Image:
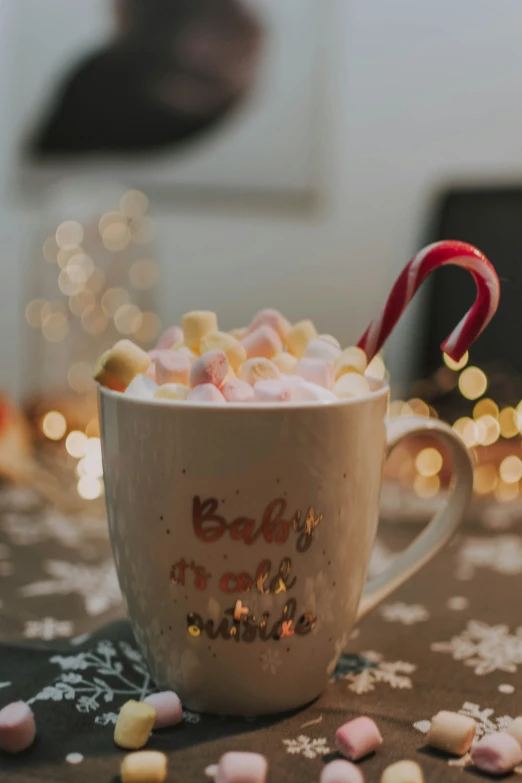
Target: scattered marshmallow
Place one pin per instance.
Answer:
(206, 392)
(272, 318)
(237, 390)
(271, 391)
(221, 341)
(286, 362)
(264, 341)
(17, 727)
(172, 391)
(258, 369)
(451, 732)
(515, 729)
(403, 772)
(351, 385)
(196, 325)
(351, 360)
(323, 348)
(172, 367)
(169, 711)
(317, 371)
(496, 753)
(212, 368)
(358, 738)
(145, 766)
(134, 725)
(340, 771)
(299, 336)
(242, 767)
(141, 388)
(171, 336)
(117, 367)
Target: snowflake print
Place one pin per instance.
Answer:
(392, 673)
(97, 585)
(485, 648)
(26, 530)
(191, 717)
(307, 747)
(407, 614)
(270, 661)
(502, 554)
(48, 628)
(4, 684)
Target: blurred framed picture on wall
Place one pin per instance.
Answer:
(179, 97)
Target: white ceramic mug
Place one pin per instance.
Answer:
(242, 537)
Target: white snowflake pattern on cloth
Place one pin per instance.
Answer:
(5, 684)
(97, 584)
(407, 614)
(486, 724)
(392, 673)
(270, 661)
(486, 648)
(47, 628)
(306, 746)
(502, 554)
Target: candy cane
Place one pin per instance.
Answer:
(411, 278)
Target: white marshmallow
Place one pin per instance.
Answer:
(206, 392)
(172, 391)
(317, 371)
(141, 388)
(258, 369)
(351, 385)
(264, 341)
(271, 391)
(236, 390)
(311, 392)
(320, 348)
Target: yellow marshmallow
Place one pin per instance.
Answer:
(258, 369)
(172, 391)
(221, 341)
(286, 363)
(351, 360)
(196, 325)
(145, 766)
(121, 364)
(451, 732)
(403, 772)
(134, 725)
(351, 385)
(299, 336)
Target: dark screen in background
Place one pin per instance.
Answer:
(491, 219)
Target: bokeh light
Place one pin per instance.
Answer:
(428, 462)
(511, 469)
(426, 486)
(143, 274)
(54, 425)
(509, 422)
(33, 313)
(485, 479)
(75, 444)
(128, 319)
(134, 203)
(89, 487)
(485, 407)
(472, 383)
(68, 233)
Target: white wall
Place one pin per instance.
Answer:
(417, 95)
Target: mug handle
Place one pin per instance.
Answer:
(443, 525)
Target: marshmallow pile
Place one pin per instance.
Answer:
(271, 361)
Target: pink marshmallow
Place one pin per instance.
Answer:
(237, 390)
(172, 367)
(272, 318)
(271, 391)
(17, 727)
(264, 342)
(317, 371)
(242, 767)
(496, 753)
(206, 392)
(170, 337)
(357, 738)
(340, 771)
(212, 367)
(168, 708)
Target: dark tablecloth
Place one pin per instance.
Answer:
(450, 639)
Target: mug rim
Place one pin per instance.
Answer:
(380, 389)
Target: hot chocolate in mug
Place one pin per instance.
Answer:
(242, 536)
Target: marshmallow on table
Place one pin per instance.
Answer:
(236, 767)
(212, 367)
(258, 369)
(340, 771)
(317, 371)
(515, 729)
(172, 391)
(351, 360)
(172, 367)
(134, 725)
(170, 337)
(286, 363)
(272, 318)
(299, 336)
(17, 727)
(271, 391)
(403, 772)
(322, 348)
(264, 341)
(236, 390)
(142, 387)
(117, 367)
(145, 766)
(358, 738)
(451, 732)
(308, 392)
(221, 341)
(206, 392)
(196, 325)
(168, 708)
(351, 385)
(496, 753)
